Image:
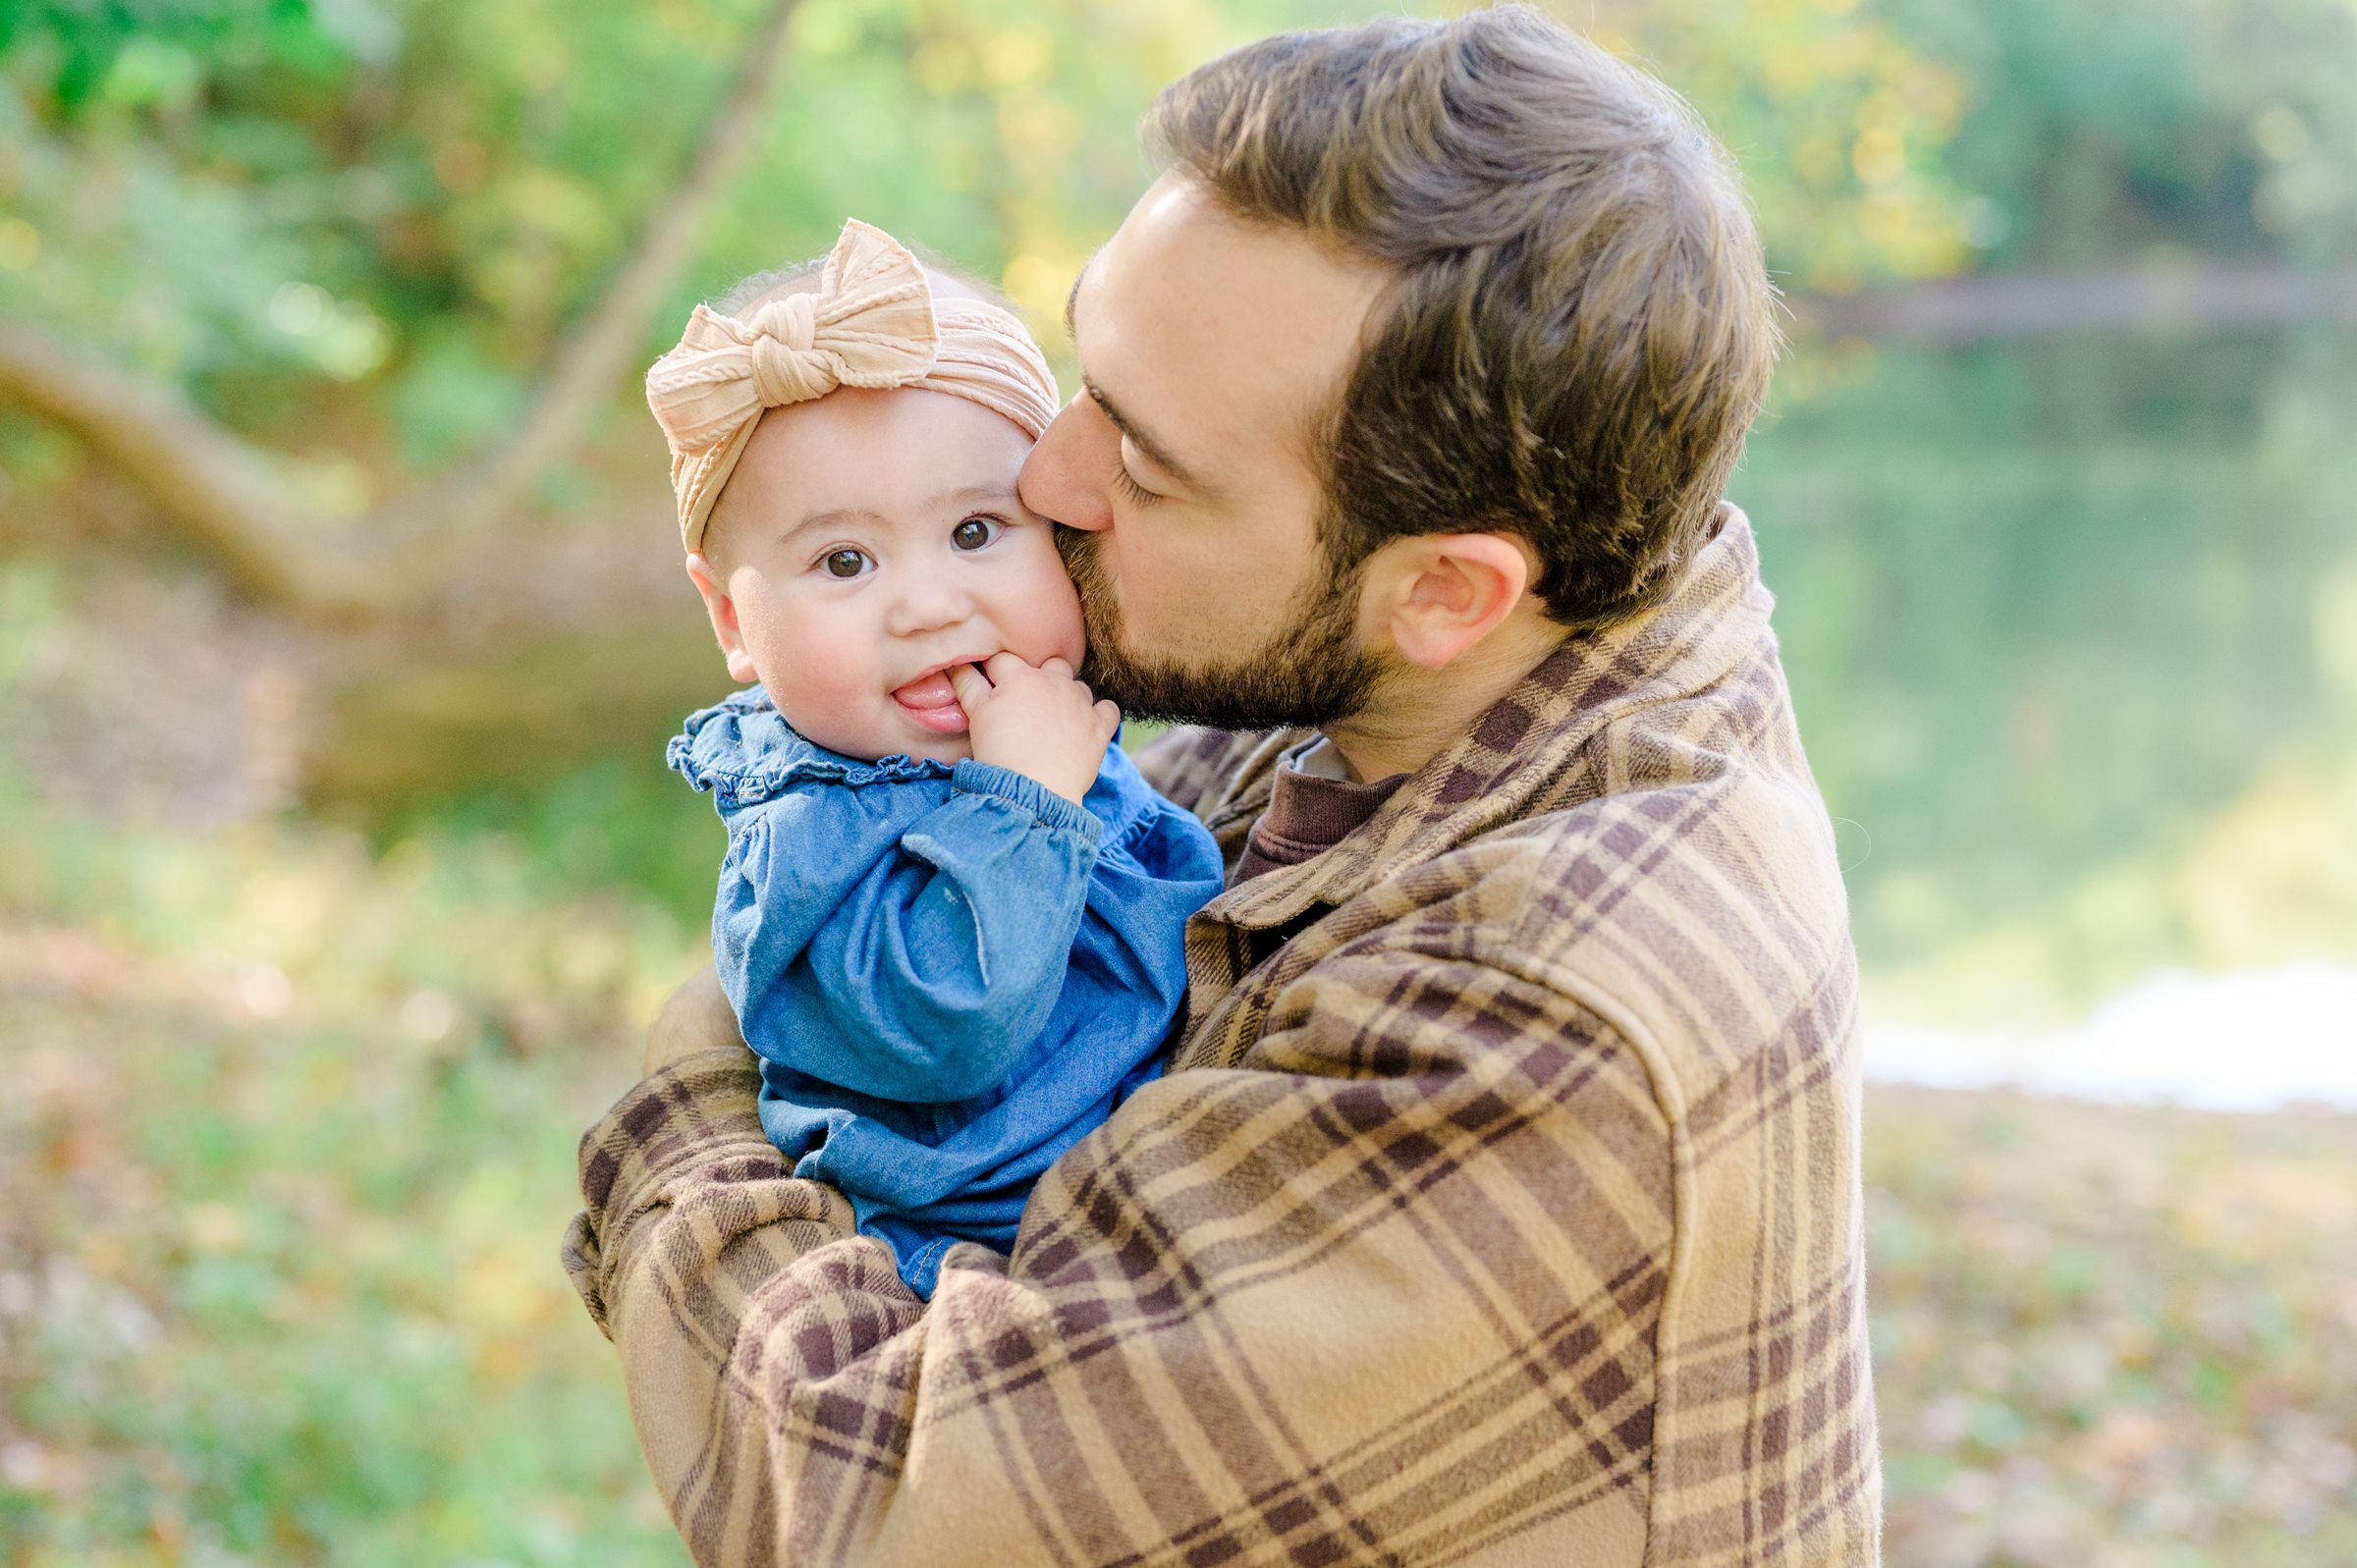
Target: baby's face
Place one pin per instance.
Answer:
(866, 543)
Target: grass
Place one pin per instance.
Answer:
(287, 1154)
(287, 1149)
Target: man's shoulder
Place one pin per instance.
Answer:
(1698, 909)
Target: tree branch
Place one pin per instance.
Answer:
(605, 342)
(2034, 304)
(211, 489)
(218, 492)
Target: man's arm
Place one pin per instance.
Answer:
(695, 1017)
(1388, 1293)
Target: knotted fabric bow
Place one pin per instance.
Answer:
(872, 322)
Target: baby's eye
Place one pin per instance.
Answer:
(973, 533)
(845, 563)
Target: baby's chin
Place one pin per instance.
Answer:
(872, 734)
(903, 741)
(935, 748)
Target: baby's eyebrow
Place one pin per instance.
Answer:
(976, 495)
(833, 518)
(973, 495)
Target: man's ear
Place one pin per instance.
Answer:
(723, 610)
(1433, 596)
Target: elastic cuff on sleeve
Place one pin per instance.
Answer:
(1003, 783)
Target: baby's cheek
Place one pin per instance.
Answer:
(814, 669)
(1030, 602)
(1057, 614)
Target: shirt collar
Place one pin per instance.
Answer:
(745, 752)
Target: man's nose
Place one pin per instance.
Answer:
(1065, 478)
(928, 601)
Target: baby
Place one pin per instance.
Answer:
(951, 913)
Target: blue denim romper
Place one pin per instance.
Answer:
(951, 973)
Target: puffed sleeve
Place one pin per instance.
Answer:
(939, 957)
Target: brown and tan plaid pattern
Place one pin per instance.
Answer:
(1501, 1206)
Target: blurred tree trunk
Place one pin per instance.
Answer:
(219, 496)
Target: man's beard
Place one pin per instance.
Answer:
(1310, 672)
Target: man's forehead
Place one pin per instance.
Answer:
(1183, 264)
(1227, 324)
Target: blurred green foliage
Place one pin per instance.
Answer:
(284, 1160)
(2111, 1338)
(2107, 128)
(374, 215)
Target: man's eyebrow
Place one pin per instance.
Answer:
(1156, 453)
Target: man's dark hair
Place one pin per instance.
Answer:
(1579, 328)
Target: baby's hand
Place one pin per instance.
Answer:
(1040, 723)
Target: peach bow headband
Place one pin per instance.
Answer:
(871, 323)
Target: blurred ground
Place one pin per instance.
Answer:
(289, 1155)
(2107, 1336)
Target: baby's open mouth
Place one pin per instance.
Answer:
(933, 702)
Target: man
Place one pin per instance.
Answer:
(1501, 1203)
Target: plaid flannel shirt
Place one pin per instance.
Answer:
(1501, 1206)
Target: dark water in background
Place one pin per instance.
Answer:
(2047, 608)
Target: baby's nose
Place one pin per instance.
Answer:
(928, 603)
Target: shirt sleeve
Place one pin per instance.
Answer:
(936, 965)
(1387, 1292)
